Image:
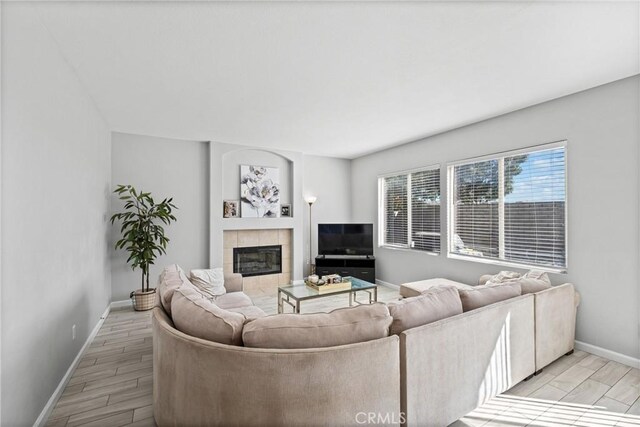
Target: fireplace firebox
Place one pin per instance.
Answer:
(257, 260)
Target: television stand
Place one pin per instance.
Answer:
(363, 267)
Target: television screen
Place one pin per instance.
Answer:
(345, 239)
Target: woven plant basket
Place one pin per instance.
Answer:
(143, 301)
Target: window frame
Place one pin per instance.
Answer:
(382, 209)
(496, 156)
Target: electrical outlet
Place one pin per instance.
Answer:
(73, 332)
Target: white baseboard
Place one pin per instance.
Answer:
(387, 284)
(608, 354)
(120, 304)
(48, 408)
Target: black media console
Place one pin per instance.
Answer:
(362, 267)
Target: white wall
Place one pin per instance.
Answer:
(601, 126)
(55, 184)
(329, 179)
(166, 168)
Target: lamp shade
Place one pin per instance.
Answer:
(311, 199)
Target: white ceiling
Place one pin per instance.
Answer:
(338, 79)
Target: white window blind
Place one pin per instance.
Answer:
(511, 208)
(396, 211)
(425, 210)
(410, 210)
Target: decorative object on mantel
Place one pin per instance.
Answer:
(285, 210)
(230, 209)
(259, 191)
(311, 200)
(142, 236)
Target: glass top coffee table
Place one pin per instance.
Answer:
(293, 295)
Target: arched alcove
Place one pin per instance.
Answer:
(232, 160)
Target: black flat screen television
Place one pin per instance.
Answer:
(345, 239)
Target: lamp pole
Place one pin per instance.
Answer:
(311, 200)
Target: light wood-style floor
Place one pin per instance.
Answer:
(112, 385)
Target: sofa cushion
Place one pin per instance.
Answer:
(199, 317)
(210, 281)
(414, 289)
(173, 268)
(434, 304)
(479, 296)
(532, 286)
(171, 278)
(339, 327)
(232, 300)
(534, 281)
(166, 289)
(250, 312)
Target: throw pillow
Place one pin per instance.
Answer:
(339, 327)
(434, 304)
(503, 276)
(210, 282)
(480, 296)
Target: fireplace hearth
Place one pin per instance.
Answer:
(257, 260)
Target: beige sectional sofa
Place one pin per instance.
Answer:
(345, 367)
(555, 312)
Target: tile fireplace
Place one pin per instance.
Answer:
(257, 260)
(257, 272)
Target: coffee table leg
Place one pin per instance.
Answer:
(375, 294)
(297, 306)
(350, 299)
(279, 302)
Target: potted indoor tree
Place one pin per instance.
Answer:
(143, 236)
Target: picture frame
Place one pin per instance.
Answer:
(259, 191)
(231, 209)
(285, 210)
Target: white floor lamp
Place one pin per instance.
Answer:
(311, 200)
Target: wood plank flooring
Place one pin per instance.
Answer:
(112, 385)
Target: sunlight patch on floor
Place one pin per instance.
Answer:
(506, 410)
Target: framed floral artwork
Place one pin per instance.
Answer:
(259, 192)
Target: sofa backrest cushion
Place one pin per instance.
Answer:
(209, 281)
(532, 286)
(534, 281)
(166, 288)
(434, 304)
(338, 327)
(197, 316)
(171, 278)
(480, 296)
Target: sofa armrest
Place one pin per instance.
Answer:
(451, 366)
(555, 314)
(233, 282)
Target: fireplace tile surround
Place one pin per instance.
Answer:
(247, 238)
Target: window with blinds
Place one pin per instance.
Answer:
(511, 208)
(410, 210)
